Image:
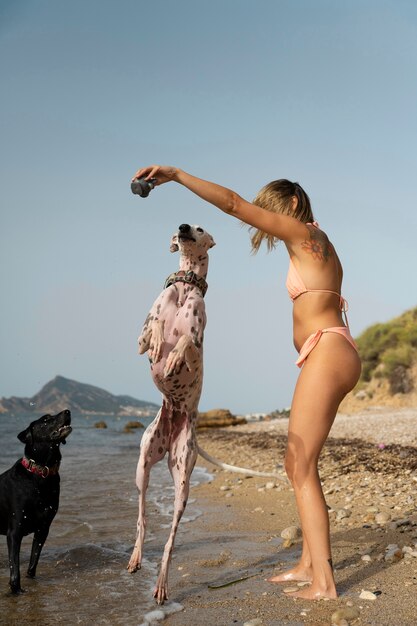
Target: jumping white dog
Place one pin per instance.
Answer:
(172, 336)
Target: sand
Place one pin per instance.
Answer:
(369, 475)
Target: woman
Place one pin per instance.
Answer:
(328, 355)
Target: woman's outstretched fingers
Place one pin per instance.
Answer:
(161, 173)
(141, 172)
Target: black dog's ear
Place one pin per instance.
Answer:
(25, 436)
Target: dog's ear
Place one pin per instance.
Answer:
(174, 244)
(25, 436)
(212, 243)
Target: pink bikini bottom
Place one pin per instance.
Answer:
(313, 340)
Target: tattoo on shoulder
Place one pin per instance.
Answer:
(318, 246)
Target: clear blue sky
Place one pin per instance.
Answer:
(240, 92)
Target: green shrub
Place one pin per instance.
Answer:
(402, 355)
(394, 344)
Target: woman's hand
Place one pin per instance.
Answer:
(161, 173)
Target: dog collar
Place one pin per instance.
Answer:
(41, 470)
(188, 277)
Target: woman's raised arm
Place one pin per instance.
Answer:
(283, 227)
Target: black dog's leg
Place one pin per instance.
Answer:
(14, 541)
(39, 539)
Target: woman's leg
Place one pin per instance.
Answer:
(302, 571)
(331, 370)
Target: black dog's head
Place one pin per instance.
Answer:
(48, 429)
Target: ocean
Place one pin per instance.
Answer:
(82, 576)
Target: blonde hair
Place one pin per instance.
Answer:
(277, 196)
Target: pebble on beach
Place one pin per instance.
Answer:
(382, 518)
(393, 553)
(291, 532)
(367, 595)
(342, 514)
(346, 615)
(290, 536)
(253, 622)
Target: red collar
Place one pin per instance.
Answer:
(41, 470)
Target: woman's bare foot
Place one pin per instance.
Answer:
(313, 593)
(296, 574)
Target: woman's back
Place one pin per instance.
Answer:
(314, 283)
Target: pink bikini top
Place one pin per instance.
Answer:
(296, 287)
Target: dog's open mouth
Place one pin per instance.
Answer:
(62, 433)
(184, 237)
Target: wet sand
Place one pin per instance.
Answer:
(369, 475)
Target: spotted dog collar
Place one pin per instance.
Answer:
(41, 470)
(188, 277)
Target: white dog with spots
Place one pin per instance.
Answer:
(173, 338)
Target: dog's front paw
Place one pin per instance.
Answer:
(144, 340)
(155, 352)
(174, 363)
(178, 356)
(155, 341)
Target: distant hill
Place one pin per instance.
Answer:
(62, 393)
(389, 364)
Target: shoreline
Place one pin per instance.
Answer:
(369, 474)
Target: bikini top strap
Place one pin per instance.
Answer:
(343, 304)
(344, 307)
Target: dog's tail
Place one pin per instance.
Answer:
(239, 470)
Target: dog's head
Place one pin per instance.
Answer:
(191, 239)
(48, 429)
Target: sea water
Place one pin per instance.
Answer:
(82, 575)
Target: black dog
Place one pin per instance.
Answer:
(29, 491)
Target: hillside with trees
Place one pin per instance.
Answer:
(389, 364)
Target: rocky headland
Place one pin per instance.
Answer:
(80, 398)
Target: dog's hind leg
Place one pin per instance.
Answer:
(153, 448)
(14, 541)
(182, 458)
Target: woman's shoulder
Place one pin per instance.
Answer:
(317, 244)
